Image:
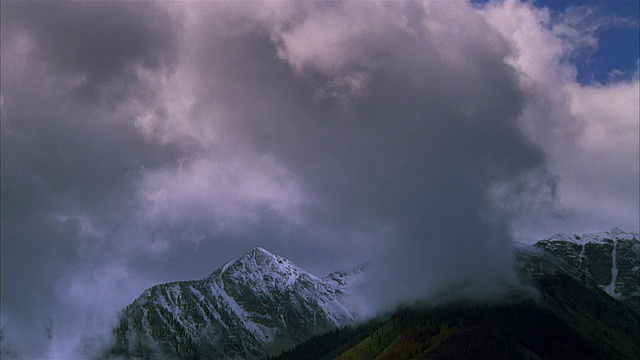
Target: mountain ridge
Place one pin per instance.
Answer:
(256, 304)
(260, 304)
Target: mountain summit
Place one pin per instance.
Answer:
(255, 305)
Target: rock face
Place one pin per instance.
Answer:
(589, 281)
(255, 305)
(607, 259)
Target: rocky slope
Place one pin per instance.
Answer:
(255, 305)
(610, 260)
(609, 323)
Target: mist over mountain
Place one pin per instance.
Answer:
(570, 315)
(261, 304)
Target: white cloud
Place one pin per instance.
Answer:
(223, 195)
(589, 132)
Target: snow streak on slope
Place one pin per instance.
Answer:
(611, 288)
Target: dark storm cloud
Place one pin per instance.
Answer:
(101, 44)
(70, 149)
(87, 49)
(395, 134)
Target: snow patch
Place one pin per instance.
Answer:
(611, 288)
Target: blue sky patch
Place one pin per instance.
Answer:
(616, 57)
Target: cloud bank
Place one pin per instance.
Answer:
(150, 142)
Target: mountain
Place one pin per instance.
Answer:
(607, 259)
(579, 312)
(610, 322)
(255, 305)
(580, 300)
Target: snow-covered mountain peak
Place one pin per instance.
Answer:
(617, 231)
(251, 255)
(260, 267)
(259, 252)
(253, 305)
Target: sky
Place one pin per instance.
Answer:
(143, 143)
